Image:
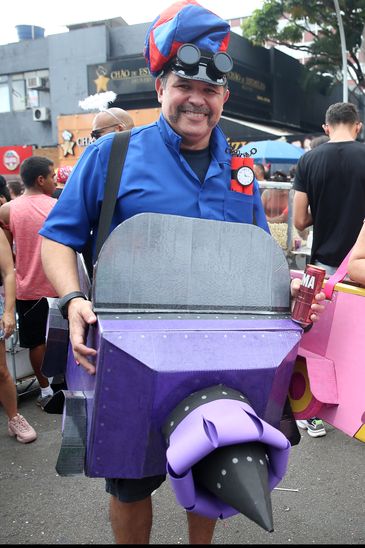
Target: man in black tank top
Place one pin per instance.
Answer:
(330, 188)
(330, 195)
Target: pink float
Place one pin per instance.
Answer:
(329, 376)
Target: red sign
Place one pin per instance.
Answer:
(12, 157)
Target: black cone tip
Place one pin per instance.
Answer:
(238, 476)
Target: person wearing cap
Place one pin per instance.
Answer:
(62, 174)
(109, 121)
(179, 165)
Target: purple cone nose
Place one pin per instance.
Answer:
(248, 440)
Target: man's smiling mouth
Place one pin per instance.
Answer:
(194, 113)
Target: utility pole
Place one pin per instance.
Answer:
(343, 51)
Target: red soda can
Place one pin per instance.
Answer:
(312, 281)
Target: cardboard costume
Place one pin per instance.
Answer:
(195, 343)
(185, 305)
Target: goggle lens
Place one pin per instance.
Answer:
(189, 56)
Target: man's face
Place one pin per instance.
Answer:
(192, 108)
(49, 183)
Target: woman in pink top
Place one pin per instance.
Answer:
(17, 425)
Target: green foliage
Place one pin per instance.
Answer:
(283, 22)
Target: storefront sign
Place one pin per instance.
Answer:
(68, 143)
(124, 76)
(12, 157)
(129, 77)
(250, 93)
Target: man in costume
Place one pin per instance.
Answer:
(179, 165)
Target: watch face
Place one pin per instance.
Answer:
(245, 175)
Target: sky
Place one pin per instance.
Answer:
(54, 16)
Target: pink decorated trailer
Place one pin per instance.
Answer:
(329, 375)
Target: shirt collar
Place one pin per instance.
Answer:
(218, 143)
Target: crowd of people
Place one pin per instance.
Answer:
(188, 174)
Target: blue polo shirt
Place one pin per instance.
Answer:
(156, 178)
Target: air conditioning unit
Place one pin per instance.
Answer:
(41, 114)
(36, 82)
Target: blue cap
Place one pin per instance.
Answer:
(188, 23)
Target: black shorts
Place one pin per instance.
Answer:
(32, 321)
(133, 490)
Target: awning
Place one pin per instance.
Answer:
(240, 132)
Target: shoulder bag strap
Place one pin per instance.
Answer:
(115, 166)
(337, 277)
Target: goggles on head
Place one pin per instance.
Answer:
(191, 63)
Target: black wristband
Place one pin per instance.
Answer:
(308, 327)
(63, 302)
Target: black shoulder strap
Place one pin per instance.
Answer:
(115, 166)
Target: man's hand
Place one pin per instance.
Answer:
(316, 307)
(8, 324)
(80, 316)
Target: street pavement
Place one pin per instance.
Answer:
(321, 499)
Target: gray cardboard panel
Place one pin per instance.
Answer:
(155, 261)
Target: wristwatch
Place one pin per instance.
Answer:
(63, 302)
(245, 175)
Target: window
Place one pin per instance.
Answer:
(4, 97)
(18, 94)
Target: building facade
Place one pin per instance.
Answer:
(43, 80)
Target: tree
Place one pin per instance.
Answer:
(318, 19)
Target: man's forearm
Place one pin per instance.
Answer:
(302, 216)
(9, 291)
(60, 265)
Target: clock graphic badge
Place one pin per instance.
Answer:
(245, 175)
(242, 175)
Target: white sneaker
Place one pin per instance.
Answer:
(314, 427)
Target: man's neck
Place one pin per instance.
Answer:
(342, 133)
(32, 191)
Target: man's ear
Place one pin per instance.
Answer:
(226, 96)
(325, 129)
(40, 181)
(159, 89)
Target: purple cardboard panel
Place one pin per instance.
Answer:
(142, 374)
